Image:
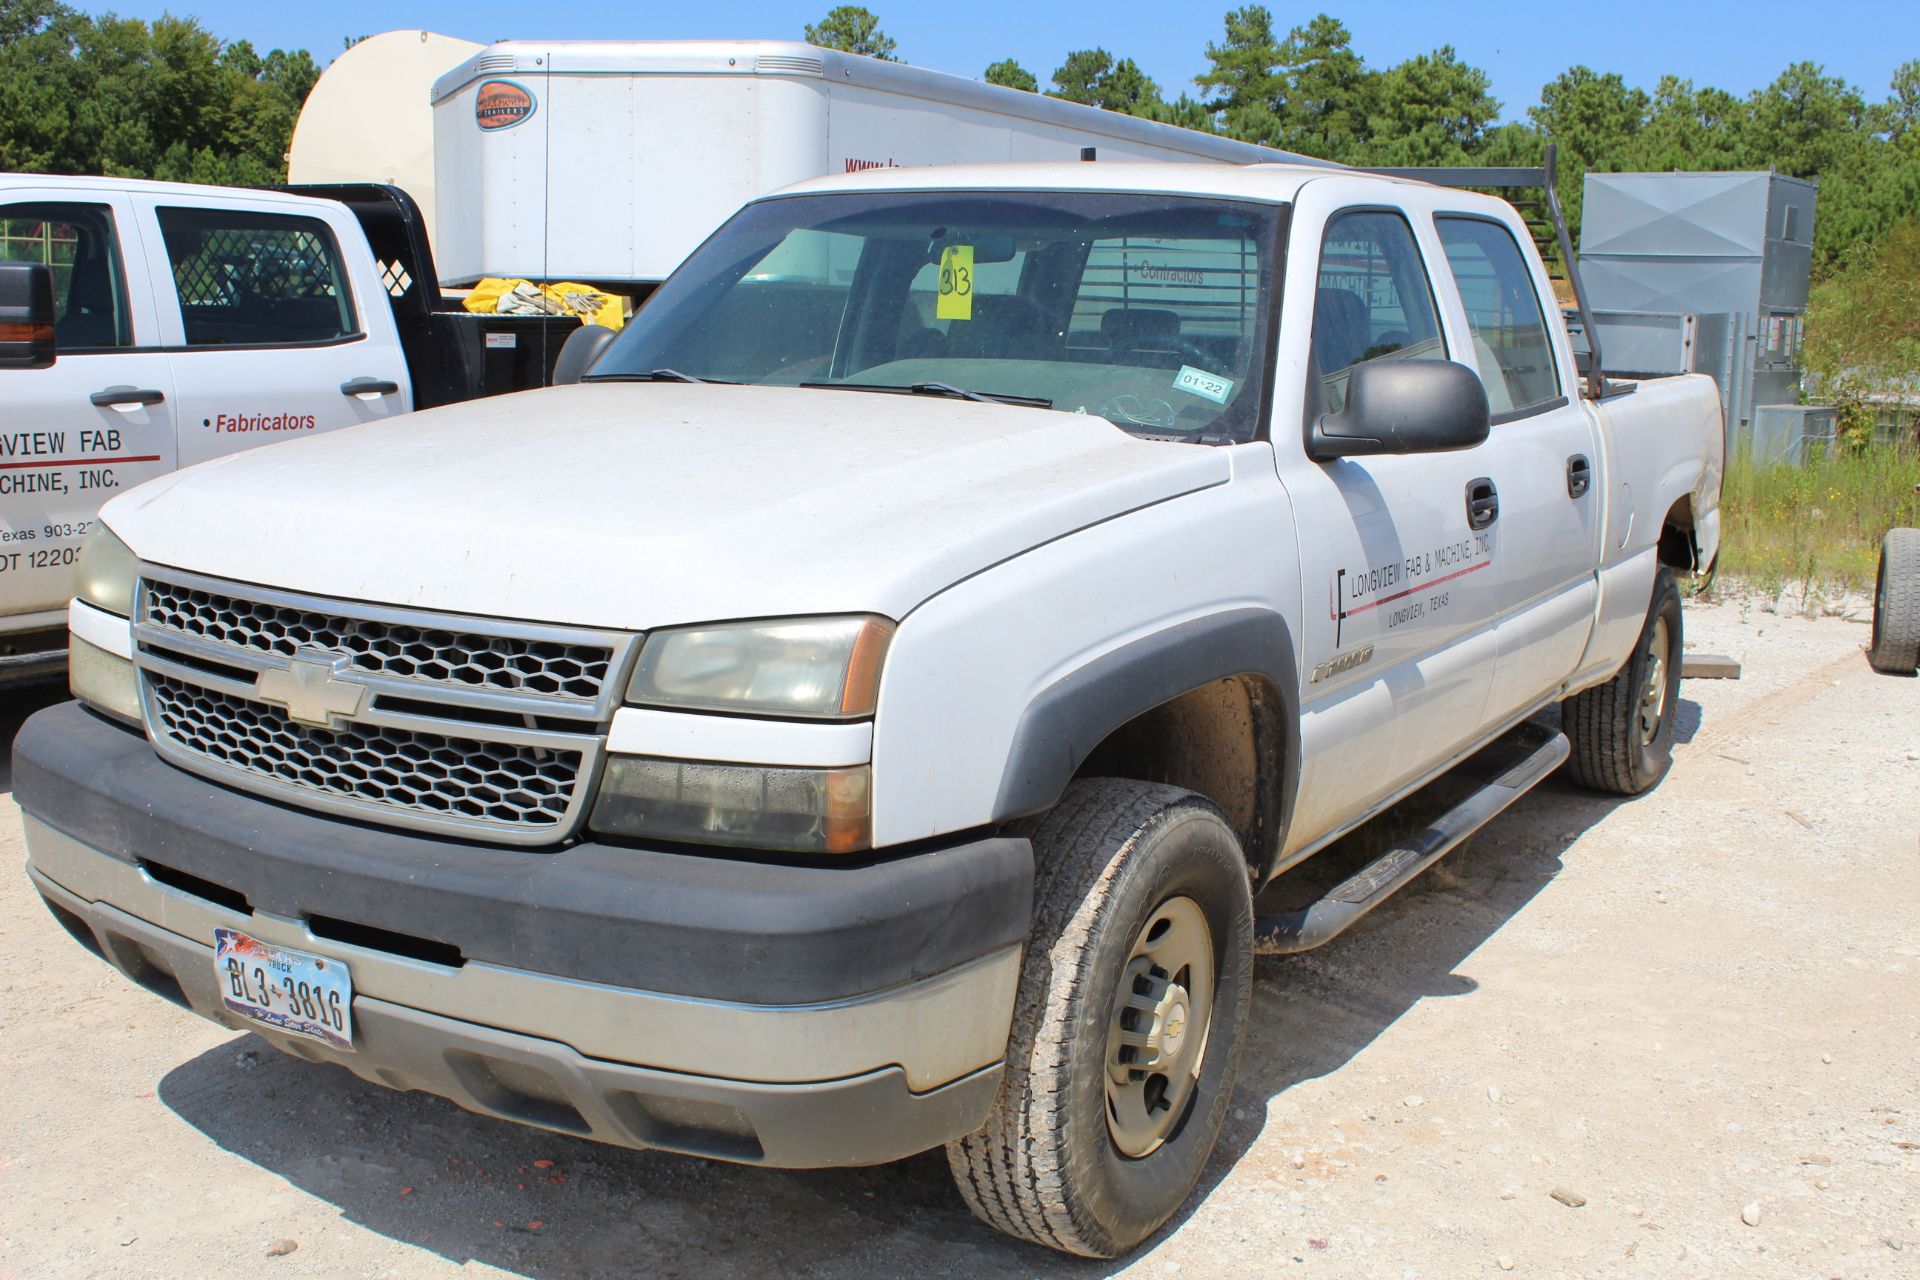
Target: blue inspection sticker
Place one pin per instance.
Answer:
(1199, 382)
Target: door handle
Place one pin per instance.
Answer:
(1579, 475)
(369, 387)
(124, 398)
(1483, 503)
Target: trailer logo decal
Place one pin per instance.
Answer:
(501, 104)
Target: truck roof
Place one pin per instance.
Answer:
(1265, 182)
(148, 186)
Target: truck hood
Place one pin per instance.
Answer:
(641, 505)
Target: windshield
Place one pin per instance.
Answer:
(1149, 310)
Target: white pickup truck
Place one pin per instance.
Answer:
(146, 326)
(858, 716)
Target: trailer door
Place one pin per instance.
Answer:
(100, 419)
(270, 337)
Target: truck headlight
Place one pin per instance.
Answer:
(741, 806)
(107, 572)
(103, 680)
(811, 668)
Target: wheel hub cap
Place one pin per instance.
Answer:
(1157, 1035)
(1653, 698)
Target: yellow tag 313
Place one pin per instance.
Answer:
(956, 283)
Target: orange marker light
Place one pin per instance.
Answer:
(862, 691)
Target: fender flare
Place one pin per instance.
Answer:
(1070, 717)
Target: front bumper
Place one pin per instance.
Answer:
(897, 1050)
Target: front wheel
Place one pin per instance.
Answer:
(1621, 732)
(1133, 1004)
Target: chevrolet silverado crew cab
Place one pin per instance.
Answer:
(146, 326)
(857, 715)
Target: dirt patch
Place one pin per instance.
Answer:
(1694, 1012)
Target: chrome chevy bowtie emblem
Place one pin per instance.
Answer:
(312, 691)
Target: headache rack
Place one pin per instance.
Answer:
(1539, 205)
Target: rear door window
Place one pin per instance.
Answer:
(256, 279)
(1374, 300)
(89, 285)
(1510, 343)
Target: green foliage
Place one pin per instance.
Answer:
(1093, 77)
(1307, 92)
(127, 98)
(1011, 75)
(1816, 526)
(1863, 330)
(1310, 92)
(1430, 110)
(852, 29)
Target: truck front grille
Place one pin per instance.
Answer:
(513, 664)
(396, 716)
(420, 773)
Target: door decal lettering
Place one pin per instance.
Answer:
(1356, 591)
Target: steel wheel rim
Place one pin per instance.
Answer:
(1653, 699)
(1157, 1029)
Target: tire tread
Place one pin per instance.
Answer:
(1014, 1173)
(1602, 724)
(1896, 605)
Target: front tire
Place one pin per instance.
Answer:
(1133, 1003)
(1621, 732)
(1896, 605)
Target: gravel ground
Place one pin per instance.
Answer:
(1672, 1037)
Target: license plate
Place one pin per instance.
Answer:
(288, 990)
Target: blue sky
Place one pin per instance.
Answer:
(1734, 46)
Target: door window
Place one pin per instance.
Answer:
(256, 279)
(89, 288)
(1373, 302)
(1503, 314)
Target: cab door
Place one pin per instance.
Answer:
(100, 419)
(1397, 643)
(269, 340)
(1543, 462)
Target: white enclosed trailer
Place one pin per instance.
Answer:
(609, 161)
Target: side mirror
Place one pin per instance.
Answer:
(1404, 406)
(577, 354)
(26, 315)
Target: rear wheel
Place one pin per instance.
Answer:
(1896, 605)
(1621, 732)
(1133, 1003)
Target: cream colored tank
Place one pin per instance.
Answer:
(370, 118)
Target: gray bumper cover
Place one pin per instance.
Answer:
(864, 1119)
(842, 1078)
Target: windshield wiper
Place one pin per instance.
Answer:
(657, 375)
(944, 390)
